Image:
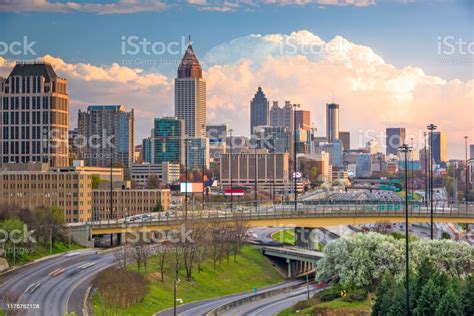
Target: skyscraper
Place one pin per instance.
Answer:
(259, 110)
(395, 137)
(302, 119)
(332, 122)
(345, 138)
(168, 139)
(190, 95)
(282, 117)
(34, 116)
(107, 131)
(439, 146)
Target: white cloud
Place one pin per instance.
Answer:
(372, 93)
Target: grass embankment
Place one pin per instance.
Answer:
(285, 236)
(25, 254)
(326, 303)
(252, 270)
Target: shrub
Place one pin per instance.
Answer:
(119, 287)
(355, 296)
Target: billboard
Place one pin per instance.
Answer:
(234, 192)
(191, 187)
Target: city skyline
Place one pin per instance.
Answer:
(405, 93)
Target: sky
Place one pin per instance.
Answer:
(387, 63)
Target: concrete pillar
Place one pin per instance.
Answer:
(289, 268)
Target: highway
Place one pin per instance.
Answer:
(273, 304)
(60, 293)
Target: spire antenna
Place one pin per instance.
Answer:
(189, 39)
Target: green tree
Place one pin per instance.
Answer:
(153, 182)
(384, 295)
(158, 207)
(450, 304)
(424, 272)
(426, 303)
(398, 304)
(468, 295)
(95, 182)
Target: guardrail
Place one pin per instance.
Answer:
(304, 209)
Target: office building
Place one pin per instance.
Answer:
(190, 95)
(335, 152)
(364, 166)
(102, 172)
(471, 151)
(166, 173)
(217, 134)
(147, 149)
(259, 110)
(272, 175)
(372, 146)
(128, 202)
(332, 122)
(345, 138)
(303, 119)
(439, 146)
(168, 140)
(34, 117)
(395, 137)
(31, 185)
(274, 138)
(106, 133)
(282, 117)
(198, 153)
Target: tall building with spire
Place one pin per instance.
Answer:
(259, 110)
(190, 95)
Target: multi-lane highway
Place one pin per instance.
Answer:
(56, 285)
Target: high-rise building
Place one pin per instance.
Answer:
(108, 134)
(274, 138)
(34, 116)
(303, 119)
(168, 140)
(147, 149)
(471, 151)
(198, 152)
(332, 122)
(335, 152)
(190, 95)
(395, 137)
(345, 138)
(217, 134)
(282, 117)
(372, 146)
(259, 110)
(439, 146)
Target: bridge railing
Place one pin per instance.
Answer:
(285, 210)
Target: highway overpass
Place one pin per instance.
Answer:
(307, 214)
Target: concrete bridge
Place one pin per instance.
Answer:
(300, 261)
(307, 214)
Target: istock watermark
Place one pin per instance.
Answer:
(134, 45)
(24, 47)
(451, 45)
(17, 235)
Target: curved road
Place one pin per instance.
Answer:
(58, 294)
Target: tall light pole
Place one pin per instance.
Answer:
(431, 128)
(466, 171)
(406, 150)
(412, 170)
(231, 170)
(111, 191)
(426, 169)
(256, 179)
(294, 156)
(185, 183)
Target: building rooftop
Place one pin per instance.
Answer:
(39, 69)
(189, 66)
(114, 107)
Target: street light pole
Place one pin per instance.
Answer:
(466, 172)
(426, 169)
(185, 183)
(406, 149)
(294, 157)
(431, 128)
(231, 171)
(256, 179)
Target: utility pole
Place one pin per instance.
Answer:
(431, 128)
(231, 171)
(406, 149)
(467, 174)
(294, 157)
